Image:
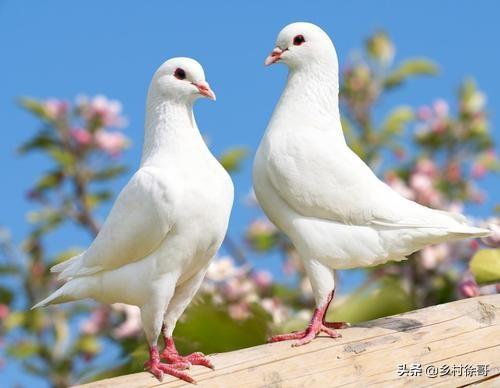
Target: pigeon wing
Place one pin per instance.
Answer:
(318, 178)
(139, 221)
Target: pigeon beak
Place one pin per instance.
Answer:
(274, 57)
(204, 89)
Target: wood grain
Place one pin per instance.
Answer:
(465, 332)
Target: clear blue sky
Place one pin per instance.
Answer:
(63, 48)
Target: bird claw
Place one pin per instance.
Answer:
(307, 335)
(158, 369)
(197, 358)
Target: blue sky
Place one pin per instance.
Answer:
(63, 48)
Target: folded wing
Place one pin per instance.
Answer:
(139, 221)
(320, 179)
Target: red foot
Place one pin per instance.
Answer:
(157, 368)
(171, 356)
(316, 326)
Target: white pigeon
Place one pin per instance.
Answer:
(166, 225)
(333, 208)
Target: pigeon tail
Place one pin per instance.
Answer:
(79, 288)
(470, 231)
(65, 264)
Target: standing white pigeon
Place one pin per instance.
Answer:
(165, 226)
(333, 208)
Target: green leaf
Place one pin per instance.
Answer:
(5, 295)
(33, 106)
(95, 199)
(14, 319)
(49, 180)
(231, 159)
(41, 141)
(108, 173)
(23, 349)
(485, 266)
(88, 344)
(397, 120)
(8, 269)
(64, 158)
(380, 47)
(386, 297)
(410, 68)
(207, 327)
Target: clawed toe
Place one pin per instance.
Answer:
(158, 369)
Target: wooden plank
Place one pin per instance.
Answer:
(465, 332)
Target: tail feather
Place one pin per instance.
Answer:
(470, 231)
(74, 289)
(54, 298)
(65, 264)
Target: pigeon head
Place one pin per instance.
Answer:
(301, 44)
(181, 79)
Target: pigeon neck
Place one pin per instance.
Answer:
(170, 129)
(311, 98)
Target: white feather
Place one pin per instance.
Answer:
(318, 191)
(169, 220)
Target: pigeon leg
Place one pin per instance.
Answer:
(183, 295)
(157, 368)
(172, 356)
(316, 326)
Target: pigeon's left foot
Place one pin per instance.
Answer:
(172, 356)
(316, 326)
(158, 369)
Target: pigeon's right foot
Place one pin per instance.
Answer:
(316, 326)
(158, 369)
(172, 356)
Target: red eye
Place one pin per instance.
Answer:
(298, 40)
(179, 73)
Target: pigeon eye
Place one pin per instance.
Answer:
(179, 73)
(298, 40)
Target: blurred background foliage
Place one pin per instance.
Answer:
(435, 154)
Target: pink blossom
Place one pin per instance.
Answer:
(441, 108)
(478, 170)
(95, 322)
(274, 307)
(221, 269)
(261, 226)
(434, 254)
(81, 136)
(132, 323)
(263, 279)
(111, 142)
(426, 166)
(107, 111)
(239, 311)
(438, 126)
(453, 172)
(468, 288)
(424, 113)
(235, 288)
(54, 108)
(4, 311)
(494, 239)
(421, 183)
